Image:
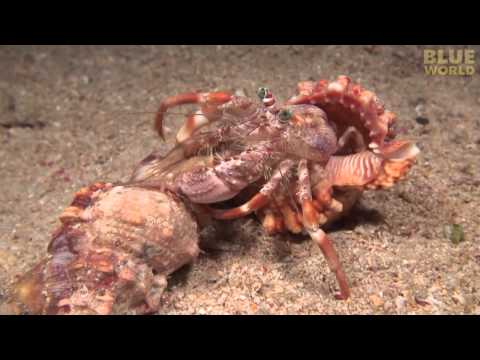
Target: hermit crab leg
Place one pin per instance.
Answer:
(260, 199)
(311, 217)
(273, 222)
(311, 222)
(325, 244)
(209, 103)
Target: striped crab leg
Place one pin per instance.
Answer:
(209, 103)
(259, 200)
(311, 224)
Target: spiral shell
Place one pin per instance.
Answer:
(112, 254)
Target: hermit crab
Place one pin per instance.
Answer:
(309, 158)
(306, 162)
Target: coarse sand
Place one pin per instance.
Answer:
(72, 115)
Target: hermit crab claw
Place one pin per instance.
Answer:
(373, 170)
(399, 151)
(397, 159)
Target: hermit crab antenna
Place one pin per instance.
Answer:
(266, 96)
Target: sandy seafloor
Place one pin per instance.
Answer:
(71, 115)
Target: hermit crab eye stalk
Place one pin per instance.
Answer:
(262, 92)
(285, 115)
(266, 97)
